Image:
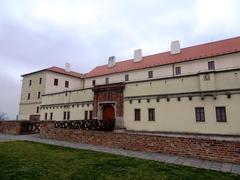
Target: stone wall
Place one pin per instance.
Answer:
(199, 147)
(10, 127)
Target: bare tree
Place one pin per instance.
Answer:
(3, 116)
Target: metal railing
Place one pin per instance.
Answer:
(91, 124)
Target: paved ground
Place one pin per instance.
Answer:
(193, 162)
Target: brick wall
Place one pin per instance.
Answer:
(204, 148)
(10, 127)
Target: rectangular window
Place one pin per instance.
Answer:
(29, 95)
(68, 115)
(200, 114)
(30, 82)
(39, 95)
(178, 70)
(40, 80)
(221, 114)
(126, 77)
(90, 114)
(211, 65)
(137, 114)
(51, 116)
(86, 115)
(106, 80)
(150, 74)
(37, 111)
(64, 115)
(151, 114)
(93, 82)
(55, 82)
(45, 116)
(66, 84)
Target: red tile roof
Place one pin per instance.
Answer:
(212, 49)
(58, 70)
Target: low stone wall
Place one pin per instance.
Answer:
(189, 146)
(10, 127)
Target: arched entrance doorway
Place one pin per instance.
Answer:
(108, 112)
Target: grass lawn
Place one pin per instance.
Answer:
(27, 160)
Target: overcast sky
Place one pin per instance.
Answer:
(43, 33)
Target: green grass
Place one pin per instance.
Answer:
(27, 160)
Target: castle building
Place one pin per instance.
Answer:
(185, 90)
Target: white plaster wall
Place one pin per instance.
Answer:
(74, 83)
(179, 116)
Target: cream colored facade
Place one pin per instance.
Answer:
(174, 98)
(33, 88)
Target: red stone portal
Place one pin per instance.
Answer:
(108, 113)
(108, 102)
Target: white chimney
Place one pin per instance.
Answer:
(175, 47)
(111, 61)
(137, 55)
(67, 67)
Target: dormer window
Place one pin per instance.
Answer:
(211, 65)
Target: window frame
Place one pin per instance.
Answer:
(85, 115)
(64, 115)
(178, 70)
(66, 84)
(126, 77)
(37, 110)
(29, 96)
(39, 95)
(51, 116)
(211, 65)
(150, 74)
(221, 114)
(137, 114)
(46, 115)
(106, 80)
(151, 114)
(90, 114)
(55, 82)
(200, 114)
(68, 115)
